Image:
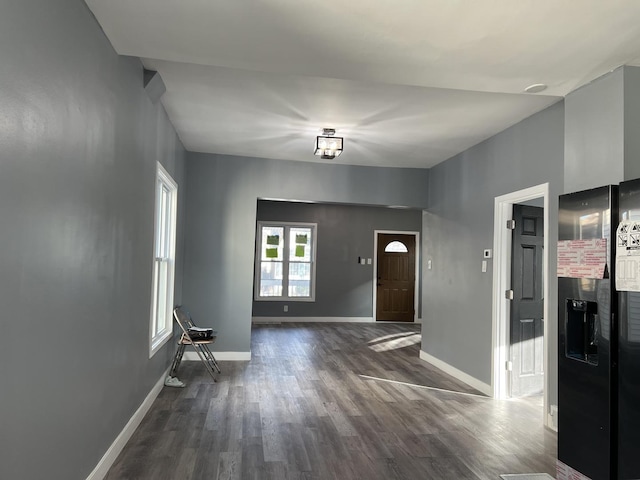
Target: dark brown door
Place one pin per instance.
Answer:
(527, 306)
(396, 276)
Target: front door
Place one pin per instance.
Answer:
(396, 276)
(527, 306)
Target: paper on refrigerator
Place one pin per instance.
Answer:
(582, 258)
(628, 256)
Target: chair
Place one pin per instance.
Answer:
(183, 319)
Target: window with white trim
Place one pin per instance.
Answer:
(285, 261)
(161, 326)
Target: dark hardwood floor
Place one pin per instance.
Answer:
(333, 401)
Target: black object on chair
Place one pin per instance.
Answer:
(199, 338)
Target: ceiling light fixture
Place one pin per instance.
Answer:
(536, 88)
(328, 146)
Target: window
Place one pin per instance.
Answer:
(285, 261)
(397, 247)
(164, 249)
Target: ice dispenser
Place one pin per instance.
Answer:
(582, 331)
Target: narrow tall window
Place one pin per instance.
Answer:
(163, 260)
(285, 261)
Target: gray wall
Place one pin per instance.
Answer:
(344, 288)
(594, 134)
(631, 123)
(79, 139)
(602, 122)
(222, 193)
(457, 318)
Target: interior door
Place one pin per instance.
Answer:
(396, 276)
(527, 306)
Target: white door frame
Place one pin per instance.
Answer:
(502, 282)
(375, 270)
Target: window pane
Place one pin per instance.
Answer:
(159, 218)
(165, 231)
(163, 216)
(396, 247)
(299, 279)
(163, 283)
(270, 279)
(156, 298)
(272, 244)
(300, 244)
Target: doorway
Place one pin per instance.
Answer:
(526, 338)
(395, 276)
(502, 365)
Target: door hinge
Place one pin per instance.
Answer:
(508, 365)
(511, 224)
(508, 294)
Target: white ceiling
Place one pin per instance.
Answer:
(407, 83)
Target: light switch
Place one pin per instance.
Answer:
(429, 264)
(368, 261)
(363, 261)
(484, 266)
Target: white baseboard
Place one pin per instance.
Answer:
(312, 319)
(221, 356)
(268, 320)
(121, 440)
(458, 374)
(552, 418)
(550, 424)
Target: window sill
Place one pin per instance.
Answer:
(159, 341)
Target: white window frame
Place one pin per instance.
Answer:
(285, 262)
(164, 251)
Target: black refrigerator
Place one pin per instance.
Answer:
(599, 335)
